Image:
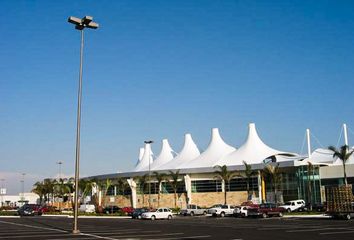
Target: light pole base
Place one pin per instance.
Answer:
(76, 231)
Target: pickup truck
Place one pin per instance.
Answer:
(265, 210)
(193, 210)
(221, 210)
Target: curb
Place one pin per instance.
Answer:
(9, 216)
(306, 216)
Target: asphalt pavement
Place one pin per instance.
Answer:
(57, 228)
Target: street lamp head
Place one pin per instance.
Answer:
(148, 142)
(82, 23)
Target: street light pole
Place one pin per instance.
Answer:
(149, 142)
(80, 24)
(2, 191)
(23, 186)
(59, 163)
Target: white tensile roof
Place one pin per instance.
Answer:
(215, 151)
(141, 153)
(146, 158)
(189, 152)
(253, 151)
(165, 156)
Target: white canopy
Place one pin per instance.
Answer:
(188, 152)
(215, 151)
(146, 158)
(253, 151)
(165, 156)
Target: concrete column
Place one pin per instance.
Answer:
(223, 186)
(132, 185)
(188, 184)
(115, 190)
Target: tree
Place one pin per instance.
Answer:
(85, 187)
(248, 174)
(121, 184)
(343, 154)
(309, 183)
(48, 185)
(159, 178)
(223, 174)
(274, 174)
(175, 183)
(143, 180)
(38, 188)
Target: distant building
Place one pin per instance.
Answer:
(19, 200)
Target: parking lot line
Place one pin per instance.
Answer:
(318, 229)
(148, 235)
(97, 236)
(37, 236)
(343, 232)
(30, 226)
(189, 237)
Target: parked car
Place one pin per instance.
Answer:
(193, 209)
(127, 210)
(30, 210)
(139, 211)
(320, 207)
(241, 211)
(47, 208)
(265, 210)
(87, 208)
(293, 205)
(221, 210)
(160, 213)
(111, 209)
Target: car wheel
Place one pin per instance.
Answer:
(243, 215)
(348, 217)
(280, 214)
(153, 217)
(288, 210)
(192, 214)
(264, 215)
(169, 217)
(222, 214)
(139, 217)
(204, 213)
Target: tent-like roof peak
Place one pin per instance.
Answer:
(216, 149)
(188, 152)
(146, 158)
(164, 157)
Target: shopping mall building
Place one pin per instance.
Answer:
(198, 184)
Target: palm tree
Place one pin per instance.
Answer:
(309, 182)
(121, 184)
(143, 180)
(175, 183)
(274, 174)
(38, 188)
(343, 154)
(248, 174)
(48, 185)
(85, 187)
(159, 178)
(223, 174)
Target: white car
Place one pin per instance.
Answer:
(294, 205)
(241, 211)
(160, 213)
(221, 210)
(87, 208)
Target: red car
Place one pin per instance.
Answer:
(127, 210)
(266, 210)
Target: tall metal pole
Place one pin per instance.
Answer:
(345, 134)
(2, 191)
(308, 143)
(23, 186)
(77, 160)
(59, 163)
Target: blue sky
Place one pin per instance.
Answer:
(159, 69)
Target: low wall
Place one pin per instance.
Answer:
(168, 200)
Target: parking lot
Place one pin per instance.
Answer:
(179, 228)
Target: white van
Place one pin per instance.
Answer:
(87, 208)
(293, 205)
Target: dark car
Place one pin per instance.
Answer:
(266, 210)
(30, 210)
(138, 211)
(111, 209)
